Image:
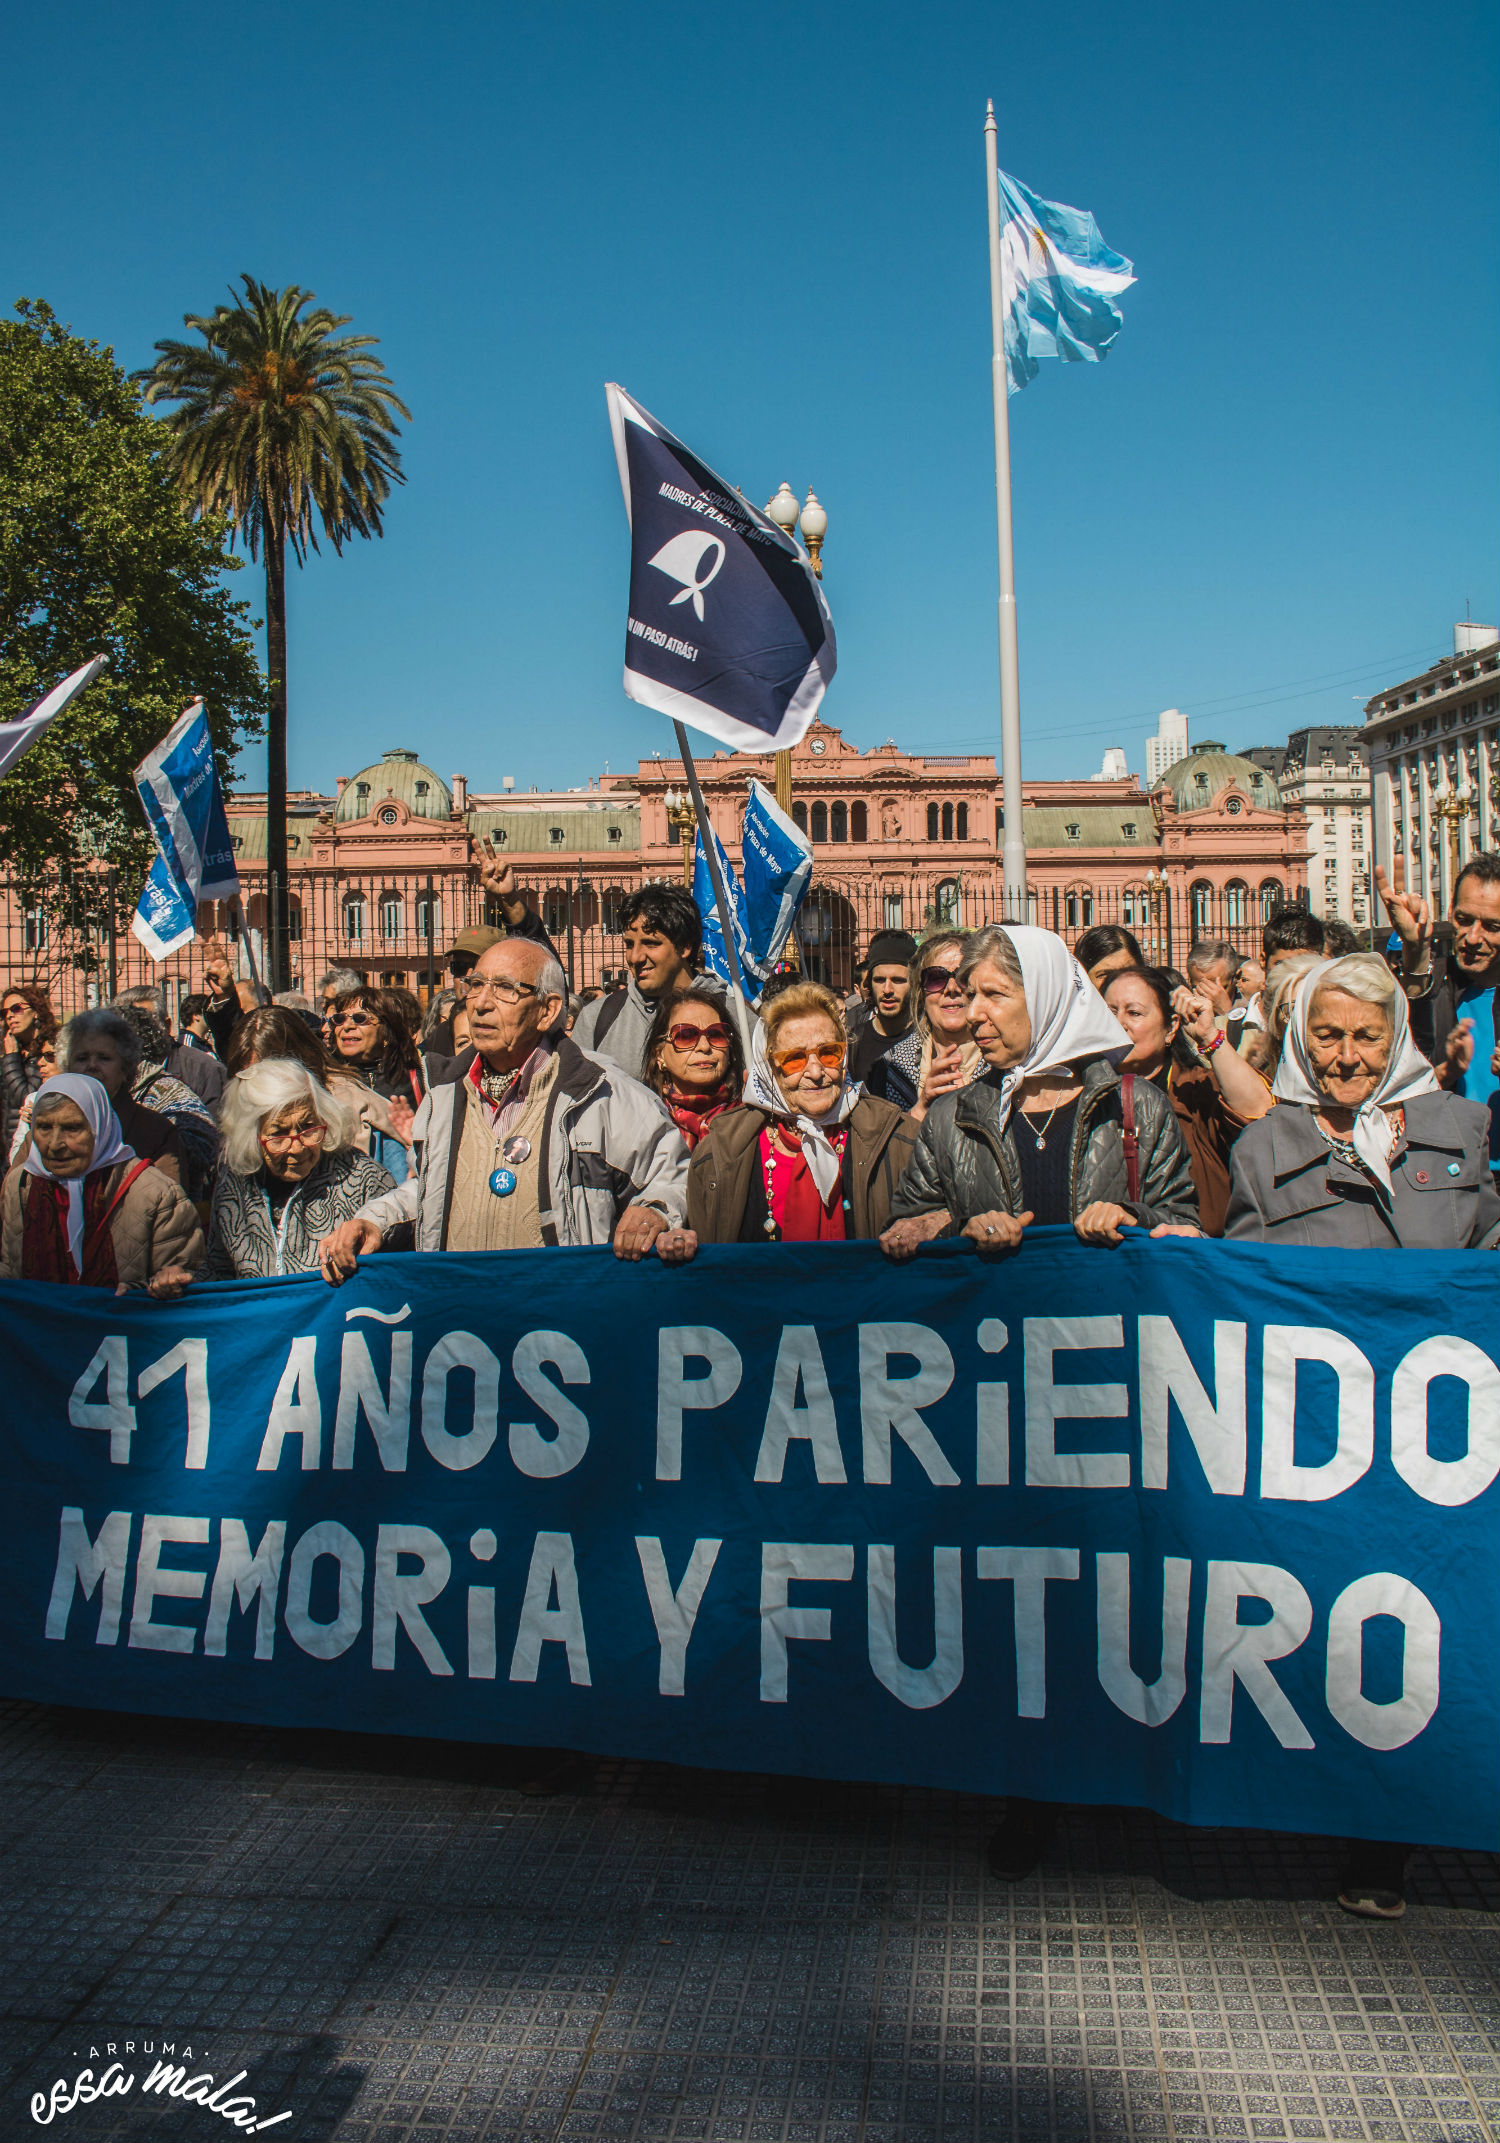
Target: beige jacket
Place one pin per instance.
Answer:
(152, 1227)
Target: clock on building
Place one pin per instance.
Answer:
(817, 745)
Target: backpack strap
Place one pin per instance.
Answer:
(614, 1005)
(1132, 1143)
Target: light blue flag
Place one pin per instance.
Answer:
(178, 785)
(1060, 281)
(778, 865)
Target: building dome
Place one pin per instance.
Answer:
(1201, 778)
(401, 776)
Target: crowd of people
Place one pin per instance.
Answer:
(976, 1084)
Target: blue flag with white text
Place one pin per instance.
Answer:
(777, 865)
(178, 784)
(728, 629)
(1060, 282)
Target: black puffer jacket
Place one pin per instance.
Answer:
(965, 1165)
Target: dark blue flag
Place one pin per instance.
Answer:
(728, 628)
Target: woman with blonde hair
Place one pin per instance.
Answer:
(809, 1157)
(290, 1172)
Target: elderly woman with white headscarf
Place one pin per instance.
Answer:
(82, 1208)
(1051, 1134)
(808, 1157)
(1364, 1150)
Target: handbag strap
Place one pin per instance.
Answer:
(1132, 1143)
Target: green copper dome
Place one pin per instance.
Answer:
(401, 778)
(1204, 775)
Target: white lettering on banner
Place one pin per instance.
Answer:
(1390, 1725)
(1235, 1651)
(544, 1458)
(1149, 1703)
(296, 1410)
(890, 1404)
(919, 1688)
(152, 1583)
(387, 1411)
(191, 1357)
(89, 1563)
(1047, 1403)
(799, 1362)
(240, 1576)
(1217, 1429)
(676, 1346)
(675, 1613)
(401, 1596)
(1449, 1482)
(781, 1562)
(115, 1415)
(481, 1633)
(1280, 1476)
(460, 1350)
(326, 1640)
(992, 1414)
(552, 1569)
(1028, 1570)
(657, 638)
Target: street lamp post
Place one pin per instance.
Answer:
(682, 820)
(1455, 807)
(785, 512)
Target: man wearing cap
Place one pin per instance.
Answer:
(885, 1014)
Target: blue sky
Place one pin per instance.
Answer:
(768, 223)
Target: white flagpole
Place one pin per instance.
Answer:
(1014, 850)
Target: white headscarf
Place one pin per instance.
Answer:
(762, 1092)
(1069, 1019)
(90, 1097)
(1407, 1072)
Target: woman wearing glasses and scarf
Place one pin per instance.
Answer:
(374, 1051)
(694, 1060)
(810, 1157)
(938, 1056)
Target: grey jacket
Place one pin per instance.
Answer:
(624, 1039)
(607, 1143)
(1286, 1186)
(964, 1164)
(244, 1242)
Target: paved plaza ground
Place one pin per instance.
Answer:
(395, 1943)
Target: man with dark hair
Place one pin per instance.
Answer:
(884, 1013)
(663, 938)
(194, 1032)
(1452, 993)
(1289, 930)
(197, 1069)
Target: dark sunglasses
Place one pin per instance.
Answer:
(936, 979)
(686, 1037)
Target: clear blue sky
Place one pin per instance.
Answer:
(768, 223)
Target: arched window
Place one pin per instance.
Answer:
(820, 822)
(838, 823)
(293, 920)
(961, 829)
(891, 912)
(1270, 897)
(34, 930)
(859, 823)
(945, 899)
(555, 910)
(1202, 894)
(612, 909)
(932, 822)
(430, 917)
(1236, 899)
(354, 918)
(392, 915)
(947, 822)
(799, 817)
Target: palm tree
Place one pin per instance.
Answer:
(281, 424)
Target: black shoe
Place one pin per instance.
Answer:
(1373, 1884)
(1021, 1839)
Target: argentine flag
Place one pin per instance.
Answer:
(1060, 283)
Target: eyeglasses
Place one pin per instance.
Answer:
(20, 1005)
(795, 1061)
(935, 980)
(298, 1135)
(686, 1037)
(501, 989)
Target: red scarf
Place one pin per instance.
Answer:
(44, 1234)
(693, 1113)
(791, 1194)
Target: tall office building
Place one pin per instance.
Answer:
(1168, 745)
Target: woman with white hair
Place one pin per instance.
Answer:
(1364, 1150)
(290, 1173)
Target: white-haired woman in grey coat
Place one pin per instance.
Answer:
(289, 1173)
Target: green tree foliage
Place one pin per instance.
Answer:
(98, 557)
(282, 425)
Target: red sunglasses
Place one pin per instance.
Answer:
(686, 1037)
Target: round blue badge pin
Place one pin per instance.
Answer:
(1453, 1168)
(503, 1182)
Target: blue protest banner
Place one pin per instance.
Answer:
(1204, 1527)
(178, 784)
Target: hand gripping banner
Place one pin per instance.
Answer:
(1203, 1527)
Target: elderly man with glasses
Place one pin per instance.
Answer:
(531, 1144)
